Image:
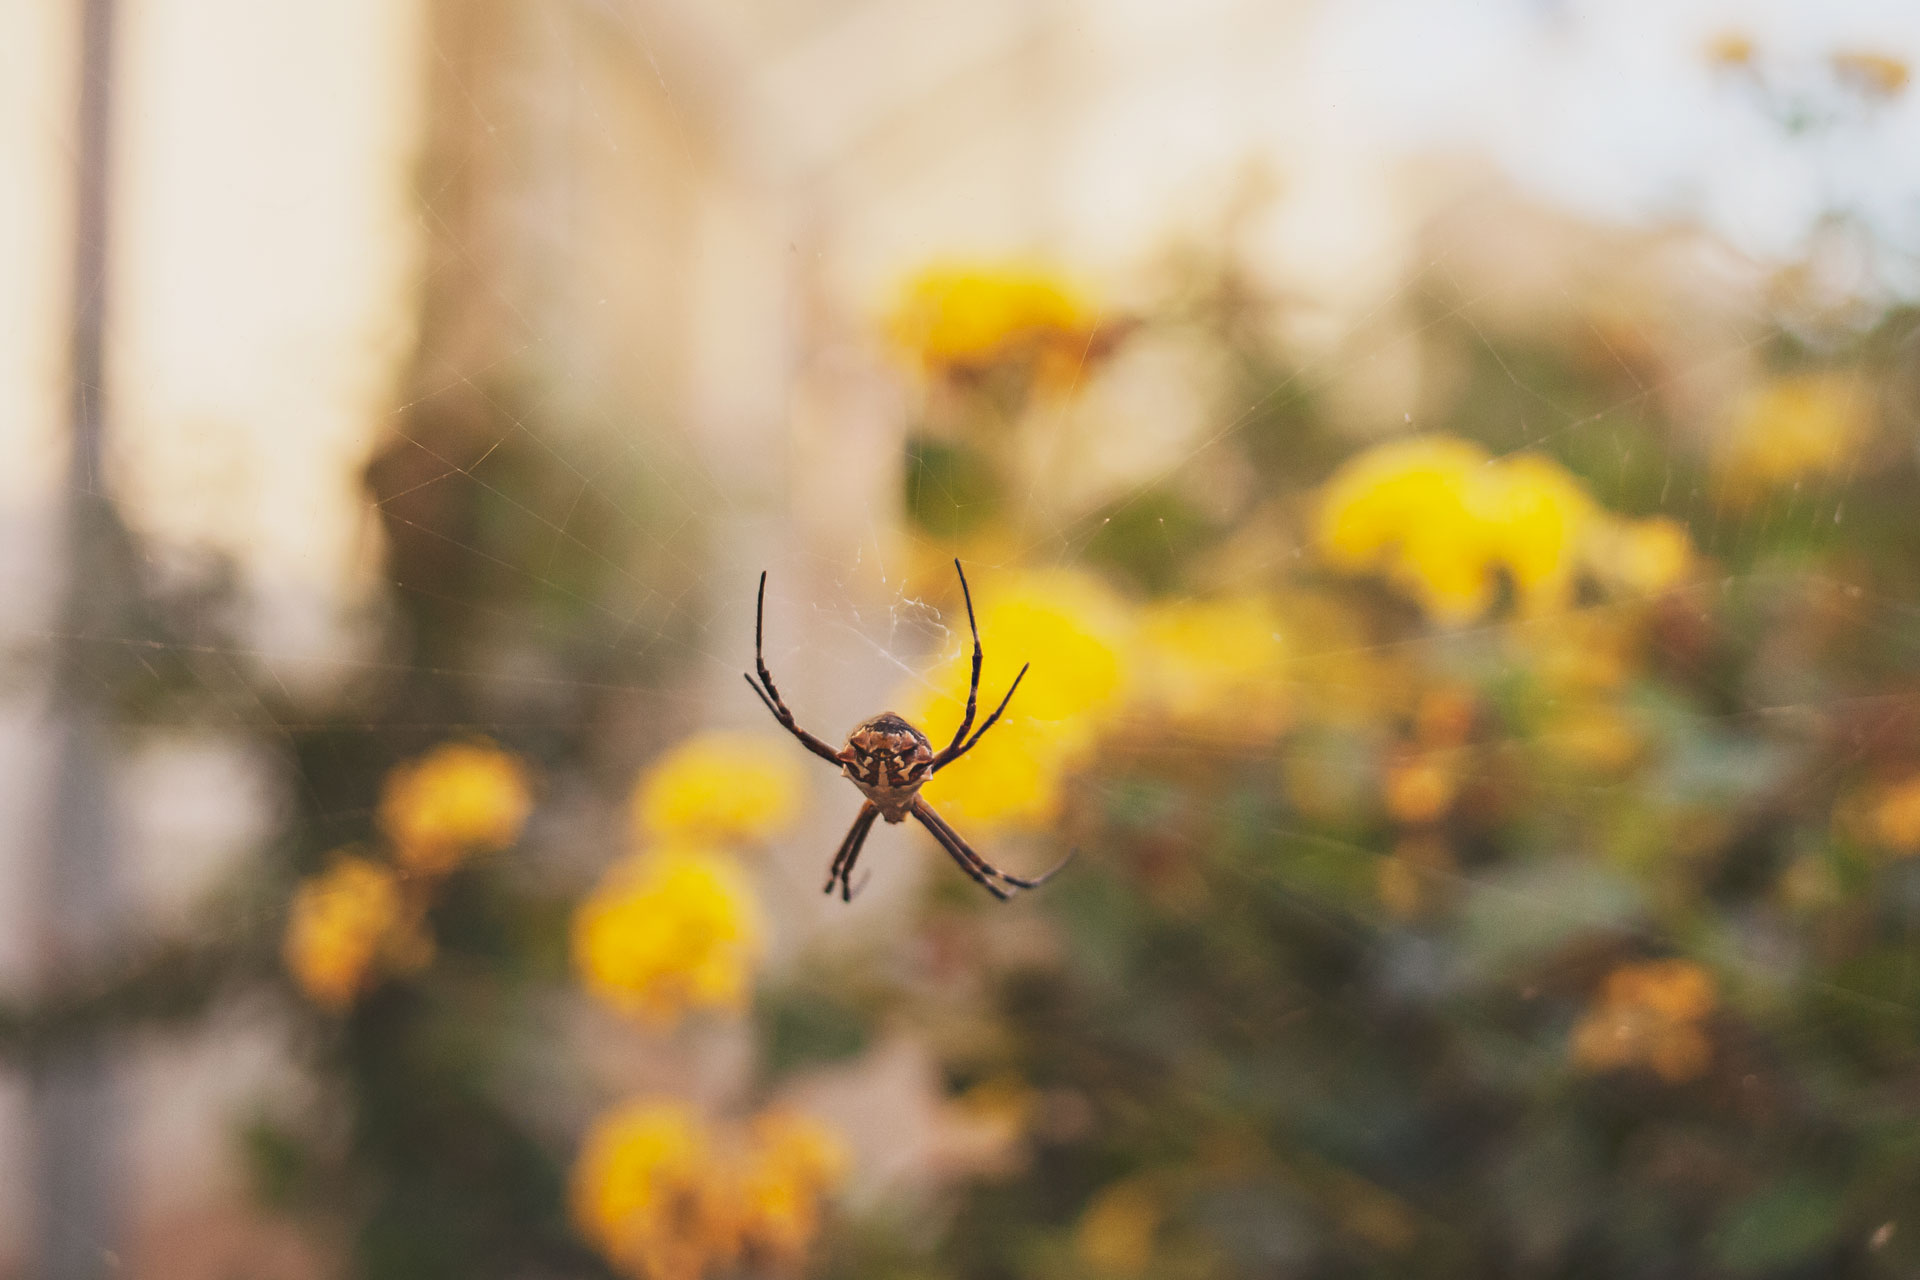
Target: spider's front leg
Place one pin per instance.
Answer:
(962, 744)
(770, 695)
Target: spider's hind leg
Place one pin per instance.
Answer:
(1029, 882)
(964, 852)
(958, 849)
(850, 850)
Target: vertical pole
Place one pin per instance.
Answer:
(72, 1094)
(90, 241)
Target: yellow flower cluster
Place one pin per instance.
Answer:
(674, 927)
(719, 787)
(1584, 660)
(960, 317)
(1445, 522)
(1731, 49)
(668, 931)
(345, 925)
(663, 1197)
(1649, 1015)
(1214, 667)
(362, 918)
(1795, 426)
(1077, 635)
(792, 1162)
(1420, 788)
(1422, 783)
(1872, 73)
(1895, 817)
(1115, 1236)
(1216, 663)
(459, 799)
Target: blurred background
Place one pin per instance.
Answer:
(1450, 467)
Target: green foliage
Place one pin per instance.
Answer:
(1149, 538)
(1325, 1056)
(950, 486)
(807, 1026)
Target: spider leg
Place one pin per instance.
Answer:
(770, 695)
(934, 822)
(850, 847)
(948, 756)
(957, 849)
(847, 891)
(1033, 882)
(973, 685)
(854, 891)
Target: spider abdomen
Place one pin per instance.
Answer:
(888, 759)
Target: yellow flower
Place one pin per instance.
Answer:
(1444, 522)
(667, 932)
(793, 1162)
(1581, 653)
(1444, 717)
(1642, 557)
(1648, 1015)
(1539, 521)
(1875, 75)
(458, 799)
(1799, 425)
(1076, 635)
(960, 317)
(645, 1193)
(1412, 509)
(1217, 663)
(1420, 789)
(1896, 817)
(663, 1198)
(344, 925)
(1338, 674)
(1000, 1108)
(1593, 735)
(1731, 49)
(1116, 1233)
(720, 787)
(1016, 777)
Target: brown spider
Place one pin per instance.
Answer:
(889, 760)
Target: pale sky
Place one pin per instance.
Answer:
(1614, 109)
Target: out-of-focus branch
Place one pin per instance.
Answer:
(169, 983)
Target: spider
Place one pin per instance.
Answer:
(889, 760)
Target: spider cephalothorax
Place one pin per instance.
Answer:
(889, 759)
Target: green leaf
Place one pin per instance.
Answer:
(951, 487)
(1785, 1224)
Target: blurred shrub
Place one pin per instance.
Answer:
(361, 918)
(1499, 850)
(665, 1198)
(1499, 853)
